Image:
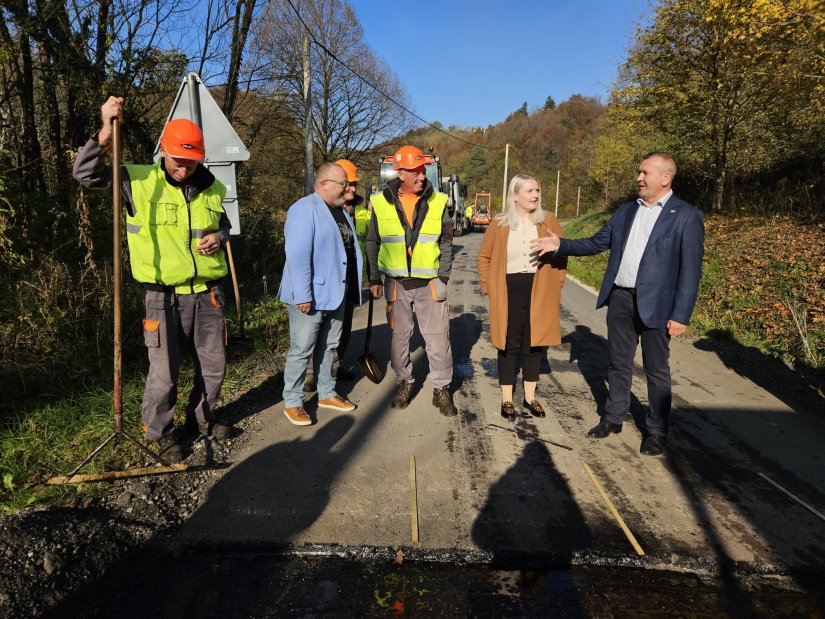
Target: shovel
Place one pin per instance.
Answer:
(367, 361)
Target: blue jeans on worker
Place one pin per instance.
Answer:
(315, 333)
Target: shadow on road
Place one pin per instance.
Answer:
(784, 383)
(278, 492)
(464, 333)
(530, 513)
(589, 351)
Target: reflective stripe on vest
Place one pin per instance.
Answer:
(426, 254)
(163, 234)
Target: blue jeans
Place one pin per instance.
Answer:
(318, 331)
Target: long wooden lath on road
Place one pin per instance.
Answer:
(117, 399)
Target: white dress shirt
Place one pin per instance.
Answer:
(646, 216)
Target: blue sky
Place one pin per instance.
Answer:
(473, 63)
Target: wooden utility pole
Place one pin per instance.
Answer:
(310, 166)
(558, 179)
(578, 199)
(504, 189)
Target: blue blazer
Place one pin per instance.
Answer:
(668, 279)
(316, 261)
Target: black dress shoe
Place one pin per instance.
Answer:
(535, 408)
(508, 411)
(653, 446)
(604, 429)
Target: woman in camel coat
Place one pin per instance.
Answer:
(524, 290)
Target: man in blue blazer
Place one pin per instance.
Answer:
(321, 273)
(650, 286)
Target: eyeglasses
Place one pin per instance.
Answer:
(342, 184)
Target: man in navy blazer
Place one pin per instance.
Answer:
(650, 286)
(321, 273)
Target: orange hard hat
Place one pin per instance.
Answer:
(182, 138)
(350, 169)
(408, 158)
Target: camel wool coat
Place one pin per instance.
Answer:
(545, 327)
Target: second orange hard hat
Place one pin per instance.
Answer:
(350, 169)
(183, 139)
(408, 158)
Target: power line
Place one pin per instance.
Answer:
(376, 88)
(20, 167)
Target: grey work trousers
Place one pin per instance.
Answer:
(176, 324)
(430, 306)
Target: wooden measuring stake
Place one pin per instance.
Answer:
(613, 511)
(413, 502)
(146, 470)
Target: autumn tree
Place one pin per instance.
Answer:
(355, 95)
(726, 83)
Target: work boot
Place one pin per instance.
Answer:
(309, 383)
(443, 401)
(168, 447)
(403, 396)
(209, 429)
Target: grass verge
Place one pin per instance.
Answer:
(46, 438)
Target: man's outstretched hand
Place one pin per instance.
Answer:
(545, 244)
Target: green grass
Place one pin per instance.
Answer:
(588, 269)
(51, 437)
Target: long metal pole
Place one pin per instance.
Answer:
(117, 275)
(504, 188)
(558, 178)
(310, 167)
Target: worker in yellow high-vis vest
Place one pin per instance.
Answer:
(468, 215)
(409, 241)
(176, 228)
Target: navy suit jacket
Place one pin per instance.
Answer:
(668, 279)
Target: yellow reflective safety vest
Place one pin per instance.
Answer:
(362, 220)
(468, 213)
(426, 254)
(164, 233)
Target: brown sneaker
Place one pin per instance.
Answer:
(337, 403)
(297, 415)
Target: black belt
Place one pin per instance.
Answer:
(630, 290)
(162, 288)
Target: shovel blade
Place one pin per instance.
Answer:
(371, 368)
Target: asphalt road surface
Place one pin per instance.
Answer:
(515, 494)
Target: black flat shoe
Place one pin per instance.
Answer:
(604, 429)
(535, 408)
(653, 446)
(508, 411)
